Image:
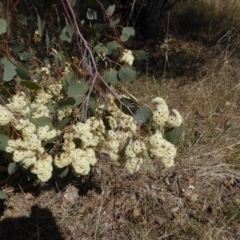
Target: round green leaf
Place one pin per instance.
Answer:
(62, 172)
(3, 142)
(126, 74)
(63, 123)
(9, 69)
(140, 55)
(12, 168)
(16, 46)
(143, 115)
(42, 121)
(3, 26)
(126, 33)
(111, 76)
(25, 55)
(112, 46)
(3, 195)
(67, 33)
(172, 135)
(110, 10)
(22, 19)
(115, 20)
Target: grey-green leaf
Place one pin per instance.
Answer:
(3, 195)
(115, 20)
(77, 89)
(40, 25)
(16, 46)
(9, 69)
(22, 71)
(126, 74)
(140, 55)
(112, 46)
(143, 115)
(173, 135)
(12, 168)
(67, 103)
(42, 121)
(3, 142)
(30, 85)
(110, 10)
(67, 33)
(126, 33)
(111, 76)
(63, 172)
(22, 18)
(63, 123)
(3, 26)
(25, 55)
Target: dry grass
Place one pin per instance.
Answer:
(196, 199)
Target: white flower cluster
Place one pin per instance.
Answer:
(135, 156)
(6, 116)
(127, 57)
(28, 150)
(161, 148)
(81, 140)
(91, 135)
(161, 114)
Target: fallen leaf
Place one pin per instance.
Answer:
(28, 196)
(137, 212)
(71, 194)
(194, 197)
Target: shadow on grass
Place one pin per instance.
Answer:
(39, 225)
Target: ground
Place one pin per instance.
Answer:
(197, 198)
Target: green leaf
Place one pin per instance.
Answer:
(126, 33)
(3, 142)
(77, 90)
(22, 19)
(30, 85)
(12, 168)
(143, 115)
(3, 195)
(172, 135)
(9, 69)
(110, 10)
(40, 25)
(16, 46)
(63, 123)
(39, 77)
(67, 33)
(42, 121)
(123, 150)
(22, 71)
(126, 74)
(3, 26)
(73, 3)
(115, 20)
(101, 49)
(47, 42)
(127, 106)
(140, 55)
(111, 76)
(67, 103)
(62, 172)
(25, 55)
(112, 46)
(91, 14)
